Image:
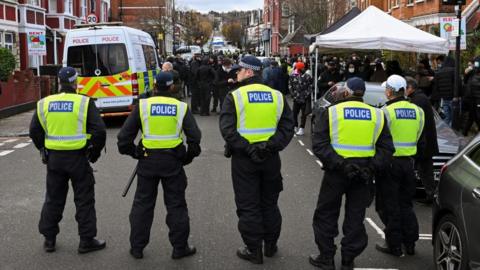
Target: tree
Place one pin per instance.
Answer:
(7, 64)
(198, 27)
(312, 14)
(233, 32)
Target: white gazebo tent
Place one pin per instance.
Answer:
(373, 29)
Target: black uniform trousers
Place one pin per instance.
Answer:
(205, 98)
(397, 190)
(62, 167)
(174, 183)
(301, 107)
(257, 187)
(196, 100)
(425, 171)
(325, 219)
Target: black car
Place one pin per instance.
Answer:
(448, 141)
(456, 206)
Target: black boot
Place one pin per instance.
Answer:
(347, 264)
(270, 249)
(49, 244)
(254, 256)
(136, 253)
(179, 253)
(92, 244)
(324, 263)
(410, 249)
(385, 248)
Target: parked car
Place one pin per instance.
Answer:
(456, 223)
(448, 141)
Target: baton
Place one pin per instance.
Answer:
(130, 181)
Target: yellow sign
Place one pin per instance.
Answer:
(160, 36)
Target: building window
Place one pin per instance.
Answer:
(291, 24)
(410, 3)
(68, 6)
(104, 12)
(52, 6)
(92, 6)
(8, 41)
(83, 9)
(285, 10)
(34, 2)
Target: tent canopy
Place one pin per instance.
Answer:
(374, 29)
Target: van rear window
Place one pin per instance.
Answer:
(98, 59)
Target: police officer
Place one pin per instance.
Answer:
(161, 156)
(254, 143)
(406, 121)
(59, 130)
(352, 141)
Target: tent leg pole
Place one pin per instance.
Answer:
(316, 75)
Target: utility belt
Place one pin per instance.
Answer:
(82, 151)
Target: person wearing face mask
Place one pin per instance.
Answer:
(443, 85)
(350, 72)
(473, 96)
(225, 80)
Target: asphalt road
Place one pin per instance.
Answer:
(211, 207)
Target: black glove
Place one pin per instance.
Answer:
(259, 152)
(44, 155)
(367, 174)
(93, 156)
(193, 151)
(139, 152)
(227, 152)
(350, 169)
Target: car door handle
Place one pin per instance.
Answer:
(476, 193)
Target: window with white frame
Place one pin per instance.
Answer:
(52, 6)
(409, 2)
(8, 41)
(291, 24)
(83, 8)
(104, 12)
(68, 6)
(285, 10)
(34, 2)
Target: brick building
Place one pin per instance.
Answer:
(49, 18)
(152, 16)
(424, 14)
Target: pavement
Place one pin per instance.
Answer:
(211, 205)
(17, 125)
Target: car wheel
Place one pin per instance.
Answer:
(450, 246)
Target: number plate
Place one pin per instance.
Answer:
(113, 102)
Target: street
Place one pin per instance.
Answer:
(211, 207)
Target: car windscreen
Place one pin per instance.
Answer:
(373, 95)
(98, 59)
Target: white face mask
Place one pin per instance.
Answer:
(226, 69)
(351, 70)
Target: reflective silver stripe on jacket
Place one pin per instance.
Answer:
(43, 119)
(80, 135)
(387, 115)
(420, 128)
(146, 125)
(241, 107)
(336, 138)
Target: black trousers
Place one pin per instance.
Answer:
(205, 98)
(297, 107)
(195, 101)
(257, 187)
(425, 171)
(174, 183)
(215, 99)
(473, 109)
(61, 168)
(325, 219)
(398, 190)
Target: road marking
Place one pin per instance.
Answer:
(29, 141)
(10, 140)
(379, 231)
(425, 235)
(424, 238)
(2, 144)
(309, 152)
(6, 152)
(20, 145)
(301, 143)
(375, 268)
(319, 163)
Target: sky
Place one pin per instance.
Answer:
(205, 6)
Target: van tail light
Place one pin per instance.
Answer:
(134, 85)
(443, 169)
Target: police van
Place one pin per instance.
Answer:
(115, 64)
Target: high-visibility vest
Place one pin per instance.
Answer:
(354, 128)
(259, 109)
(162, 121)
(405, 121)
(64, 120)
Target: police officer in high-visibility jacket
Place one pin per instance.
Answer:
(256, 123)
(352, 141)
(59, 130)
(161, 156)
(406, 121)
